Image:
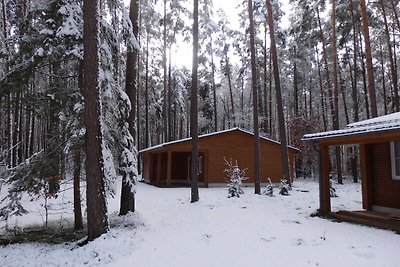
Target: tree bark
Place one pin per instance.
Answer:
(214, 88)
(266, 115)
(295, 85)
(365, 86)
(336, 93)
(254, 85)
(368, 56)
(321, 90)
(393, 70)
(78, 221)
(127, 196)
(193, 108)
(95, 192)
(146, 94)
(354, 93)
(326, 67)
(385, 108)
(279, 101)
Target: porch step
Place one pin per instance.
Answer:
(374, 219)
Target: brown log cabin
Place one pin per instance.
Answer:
(378, 140)
(168, 164)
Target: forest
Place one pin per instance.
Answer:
(85, 85)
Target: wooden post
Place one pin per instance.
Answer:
(169, 167)
(325, 198)
(366, 185)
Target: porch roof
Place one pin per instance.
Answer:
(388, 125)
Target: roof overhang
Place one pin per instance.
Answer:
(358, 138)
(374, 130)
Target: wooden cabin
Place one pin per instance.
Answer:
(168, 164)
(378, 140)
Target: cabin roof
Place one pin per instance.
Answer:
(387, 123)
(209, 135)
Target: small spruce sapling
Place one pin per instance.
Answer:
(269, 191)
(284, 187)
(235, 178)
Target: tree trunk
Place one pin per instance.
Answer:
(326, 67)
(254, 85)
(271, 128)
(385, 108)
(395, 15)
(228, 74)
(365, 86)
(169, 98)
(321, 89)
(164, 113)
(336, 93)
(265, 122)
(295, 85)
(354, 92)
(214, 88)
(78, 222)
(146, 94)
(279, 101)
(127, 196)
(95, 192)
(368, 56)
(193, 108)
(393, 70)
(15, 130)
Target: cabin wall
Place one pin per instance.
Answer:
(385, 191)
(237, 146)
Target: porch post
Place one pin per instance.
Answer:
(365, 166)
(169, 167)
(325, 198)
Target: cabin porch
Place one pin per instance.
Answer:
(377, 219)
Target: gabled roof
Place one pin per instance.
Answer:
(382, 124)
(211, 134)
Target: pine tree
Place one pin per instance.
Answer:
(193, 108)
(95, 177)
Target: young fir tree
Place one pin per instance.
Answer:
(235, 178)
(284, 188)
(269, 191)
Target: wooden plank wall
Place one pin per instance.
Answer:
(385, 190)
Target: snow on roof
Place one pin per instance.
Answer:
(208, 135)
(385, 123)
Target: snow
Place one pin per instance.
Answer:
(391, 118)
(168, 230)
(379, 124)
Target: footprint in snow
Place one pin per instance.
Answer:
(363, 252)
(298, 242)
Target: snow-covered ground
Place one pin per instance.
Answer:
(254, 230)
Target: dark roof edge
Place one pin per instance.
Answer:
(348, 134)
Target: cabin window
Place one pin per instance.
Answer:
(395, 158)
